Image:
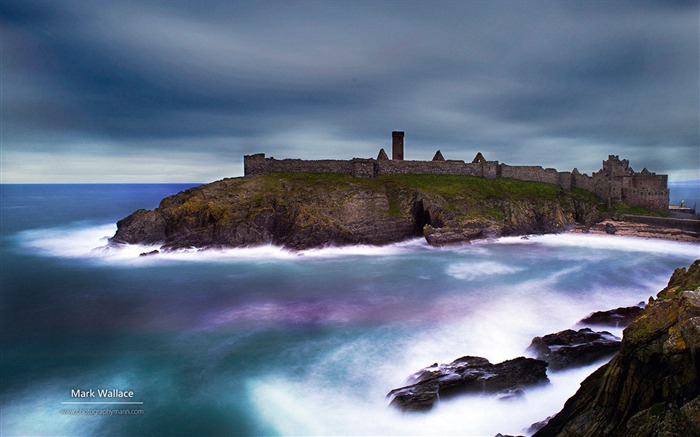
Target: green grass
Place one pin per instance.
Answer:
(471, 192)
(469, 197)
(457, 185)
(622, 209)
(445, 185)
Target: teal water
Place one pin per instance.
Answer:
(263, 341)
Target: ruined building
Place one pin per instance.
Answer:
(615, 182)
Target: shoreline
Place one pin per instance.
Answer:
(640, 230)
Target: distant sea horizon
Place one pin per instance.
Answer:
(686, 190)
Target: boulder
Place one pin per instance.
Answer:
(571, 348)
(446, 236)
(467, 375)
(618, 318)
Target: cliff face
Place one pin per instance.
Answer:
(312, 210)
(651, 387)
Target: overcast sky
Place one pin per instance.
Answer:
(170, 91)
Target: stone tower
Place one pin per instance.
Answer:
(397, 145)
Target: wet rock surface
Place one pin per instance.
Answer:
(468, 375)
(618, 318)
(651, 387)
(571, 348)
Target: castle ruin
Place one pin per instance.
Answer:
(615, 182)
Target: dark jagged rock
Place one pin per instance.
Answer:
(571, 348)
(467, 375)
(610, 228)
(446, 236)
(304, 210)
(619, 317)
(652, 386)
(153, 252)
(538, 426)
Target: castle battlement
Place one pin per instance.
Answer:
(615, 182)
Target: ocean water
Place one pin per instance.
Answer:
(264, 341)
(688, 191)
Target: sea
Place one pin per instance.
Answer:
(263, 341)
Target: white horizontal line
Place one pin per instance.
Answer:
(102, 403)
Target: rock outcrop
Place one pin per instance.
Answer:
(304, 210)
(651, 386)
(468, 375)
(618, 318)
(570, 348)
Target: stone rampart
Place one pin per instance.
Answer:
(530, 173)
(259, 165)
(565, 180)
(615, 182)
(367, 168)
(486, 169)
(691, 225)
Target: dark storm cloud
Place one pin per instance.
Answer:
(560, 84)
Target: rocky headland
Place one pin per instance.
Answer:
(651, 386)
(309, 210)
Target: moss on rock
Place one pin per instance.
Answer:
(303, 210)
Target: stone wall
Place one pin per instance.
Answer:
(259, 165)
(615, 182)
(689, 225)
(487, 169)
(367, 168)
(647, 197)
(530, 173)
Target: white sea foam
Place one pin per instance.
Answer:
(470, 271)
(316, 405)
(606, 242)
(81, 240)
(343, 392)
(75, 241)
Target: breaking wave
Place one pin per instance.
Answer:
(81, 240)
(606, 242)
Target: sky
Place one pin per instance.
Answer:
(178, 91)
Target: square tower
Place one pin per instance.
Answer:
(397, 145)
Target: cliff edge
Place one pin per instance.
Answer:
(307, 210)
(651, 387)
